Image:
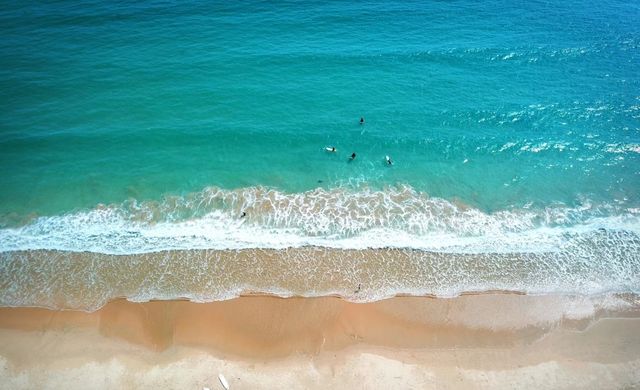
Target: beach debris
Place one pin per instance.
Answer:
(223, 381)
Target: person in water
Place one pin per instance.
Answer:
(362, 120)
(331, 149)
(353, 156)
(388, 159)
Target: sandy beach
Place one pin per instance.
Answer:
(482, 341)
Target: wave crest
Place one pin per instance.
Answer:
(340, 217)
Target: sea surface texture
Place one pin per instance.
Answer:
(163, 149)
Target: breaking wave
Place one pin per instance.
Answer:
(399, 217)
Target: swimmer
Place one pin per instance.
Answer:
(243, 215)
(388, 160)
(353, 156)
(362, 120)
(330, 149)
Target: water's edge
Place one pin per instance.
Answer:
(86, 281)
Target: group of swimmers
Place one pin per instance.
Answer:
(332, 149)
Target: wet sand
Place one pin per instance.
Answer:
(473, 341)
(87, 280)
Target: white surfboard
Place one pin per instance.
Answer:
(388, 160)
(330, 149)
(223, 381)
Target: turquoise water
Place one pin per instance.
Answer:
(137, 128)
(101, 103)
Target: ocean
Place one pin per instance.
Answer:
(164, 150)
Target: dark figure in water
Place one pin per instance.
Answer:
(353, 156)
(362, 120)
(243, 215)
(358, 289)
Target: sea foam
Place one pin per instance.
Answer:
(398, 217)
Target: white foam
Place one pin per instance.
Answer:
(395, 217)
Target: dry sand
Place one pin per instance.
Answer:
(483, 341)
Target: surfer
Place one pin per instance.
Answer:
(353, 156)
(243, 215)
(330, 149)
(362, 120)
(388, 160)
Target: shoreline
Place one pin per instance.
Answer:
(259, 294)
(621, 296)
(471, 341)
(86, 281)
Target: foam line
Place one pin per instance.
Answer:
(397, 217)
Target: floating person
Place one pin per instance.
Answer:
(330, 149)
(362, 120)
(388, 160)
(353, 156)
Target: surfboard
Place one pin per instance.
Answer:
(223, 381)
(331, 149)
